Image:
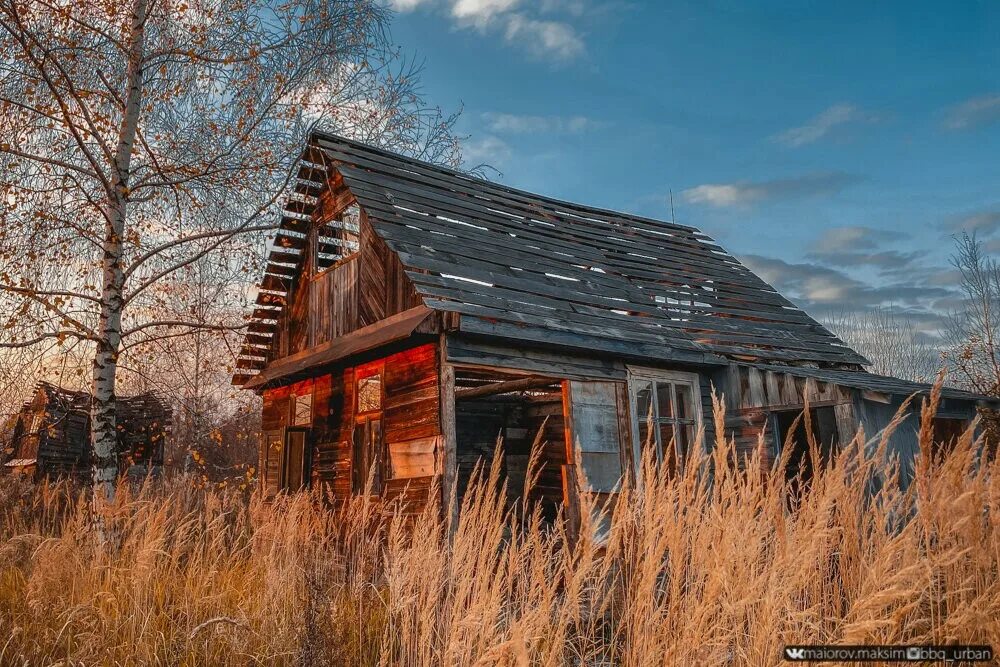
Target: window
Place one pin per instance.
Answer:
(301, 407)
(368, 455)
(335, 239)
(665, 414)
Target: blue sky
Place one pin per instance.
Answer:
(835, 147)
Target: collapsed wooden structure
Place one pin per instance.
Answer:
(410, 314)
(50, 435)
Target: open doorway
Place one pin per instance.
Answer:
(493, 406)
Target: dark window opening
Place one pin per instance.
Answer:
(367, 456)
(801, 468)
(511, 411)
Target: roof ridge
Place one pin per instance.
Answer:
(504, 187)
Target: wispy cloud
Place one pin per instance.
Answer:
(544, 37)
(852, 237)
(822, 289)
(984, 222)
(480, 12)
(518, 23)
(407, 5)
(507, 123)
(974, 112)
(823, 124)
(486, 150)
(856, 246)
(745, 193)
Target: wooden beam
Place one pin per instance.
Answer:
(385, 331)
(492, 389)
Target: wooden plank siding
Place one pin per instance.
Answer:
(752, 394)
(411, 424)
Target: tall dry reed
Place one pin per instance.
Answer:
(718, 565)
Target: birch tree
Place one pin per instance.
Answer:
(138, 137)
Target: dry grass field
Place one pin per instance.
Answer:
(715, 567)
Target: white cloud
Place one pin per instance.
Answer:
(480, 12)
(506, 123)
(516, 24)
(544, 37)
(406, 5)
(819, 126)
(974, 112)
(744, 193)
(980, 222)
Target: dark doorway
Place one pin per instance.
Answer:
(512, 410)
(946, 434)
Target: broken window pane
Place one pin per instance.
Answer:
(370, 394)
(302, 410)
(683, 401)
(664, 409)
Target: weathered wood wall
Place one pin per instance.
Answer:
(357, 291)
(53, 427)
(875, 416)
(751, 394)
(410, 424)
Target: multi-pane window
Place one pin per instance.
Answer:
(368, 457)
(665, 415)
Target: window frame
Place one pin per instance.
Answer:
(293, 399)
(638, 375)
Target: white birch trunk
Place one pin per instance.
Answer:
(103, 434)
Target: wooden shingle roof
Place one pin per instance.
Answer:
(531, 267)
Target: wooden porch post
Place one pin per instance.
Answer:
(571, 485)
(449, 462)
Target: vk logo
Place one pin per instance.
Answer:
(795, 653)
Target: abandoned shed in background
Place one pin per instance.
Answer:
(50, 436)
(410, 314)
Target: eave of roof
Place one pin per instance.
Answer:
(884, 384)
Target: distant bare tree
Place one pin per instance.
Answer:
(139, 137)
(890, 340)
(973, 332)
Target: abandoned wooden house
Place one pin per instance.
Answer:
(410, 314)
(50, 435)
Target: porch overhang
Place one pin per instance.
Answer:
(389, 330)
